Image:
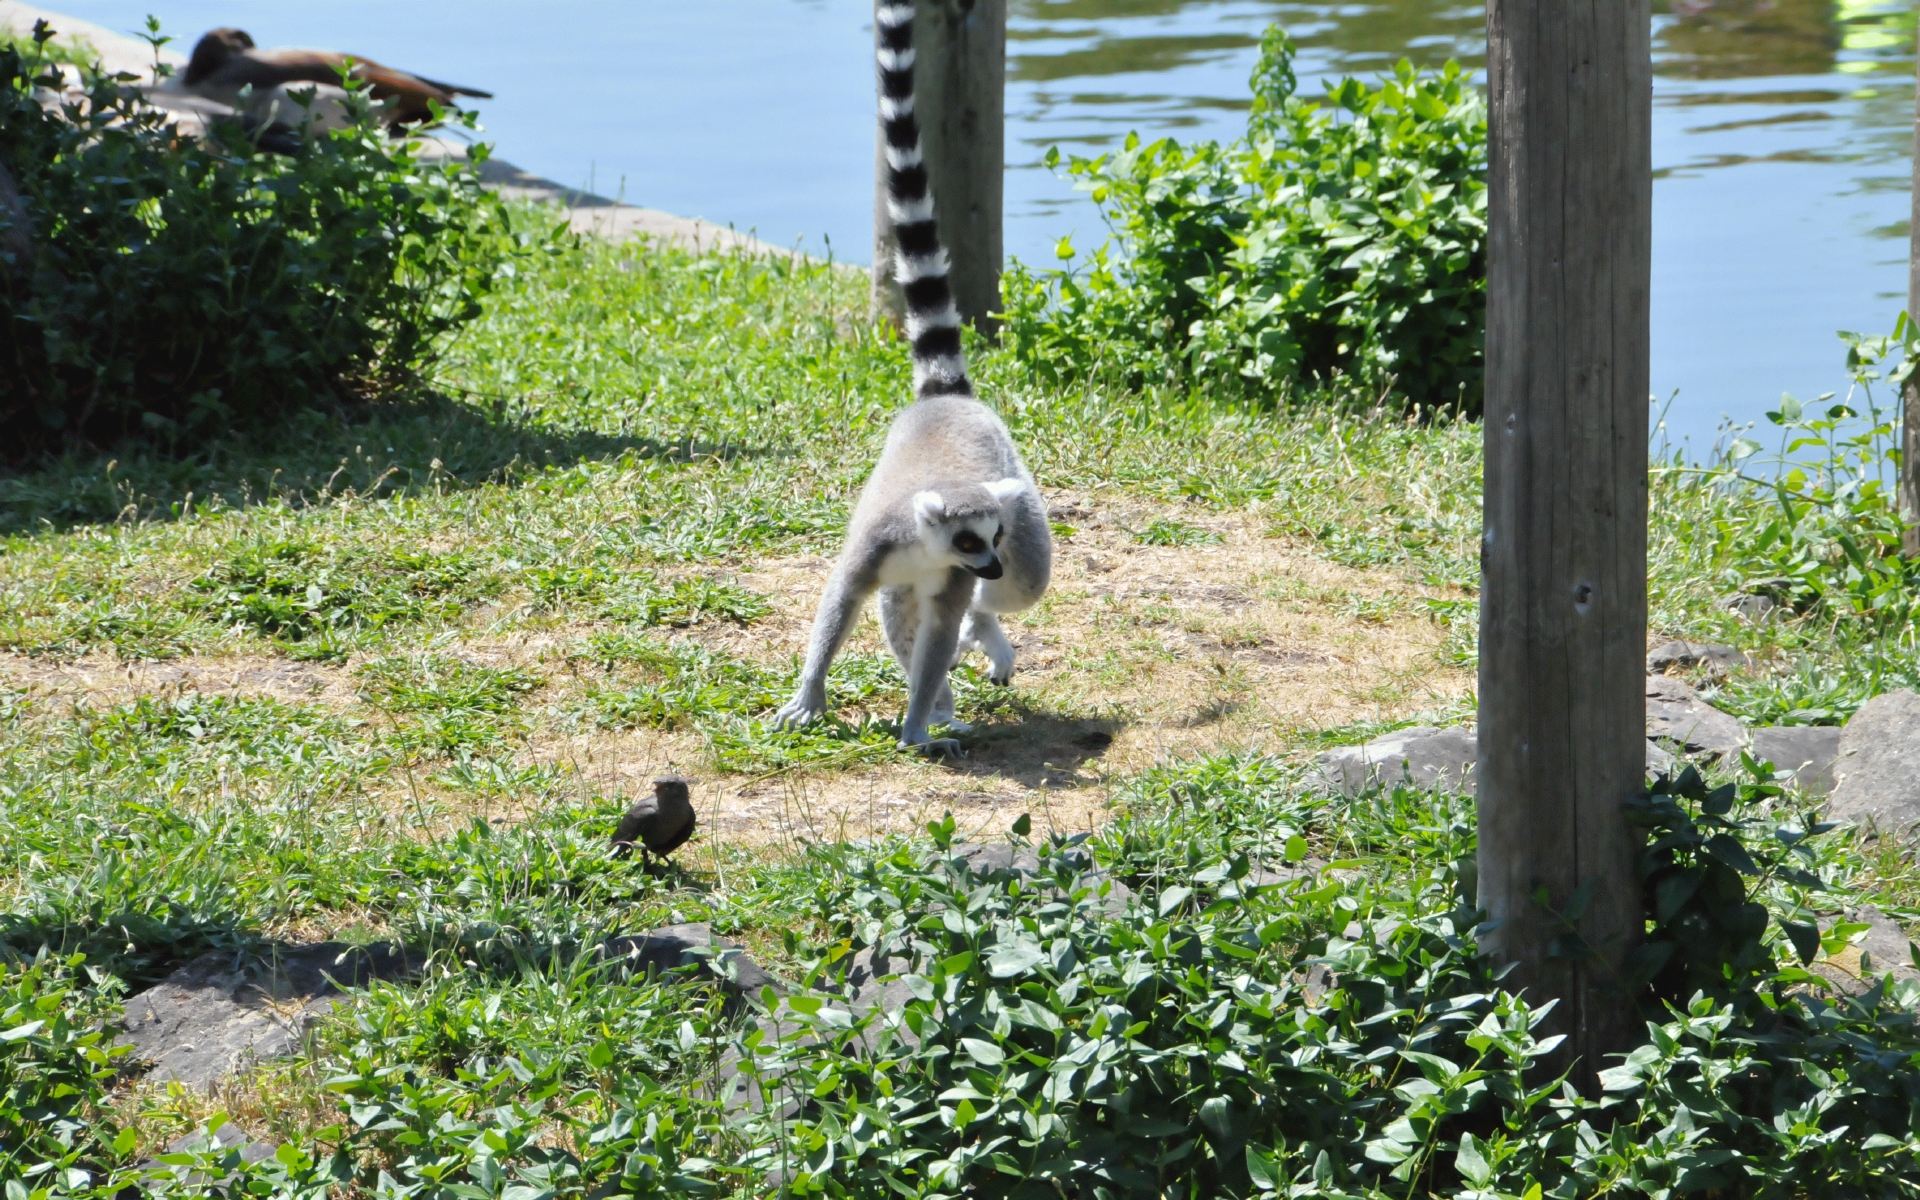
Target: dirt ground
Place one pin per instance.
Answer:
(1139, 653)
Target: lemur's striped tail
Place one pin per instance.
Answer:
(933, 323)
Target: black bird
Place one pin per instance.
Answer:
(659, 824)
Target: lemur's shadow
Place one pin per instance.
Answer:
(1036, 749)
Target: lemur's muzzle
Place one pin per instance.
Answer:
(993, 569)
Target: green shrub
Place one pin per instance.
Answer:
(56, 1062)
(1346, 239)
(1237, 1023)
(178, 287)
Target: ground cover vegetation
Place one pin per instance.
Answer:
(1284, 1000)
(172, 288)
(393, 671)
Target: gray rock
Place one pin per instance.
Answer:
(228, 1137)
(1882, 950)
(1885, 947)
(1808, 751)
(1431, 758)
(1753, 608)
(1675, 714)
(988, 859)
(225, 1011)
(1877, 772)
(673, 947)
(1695, 654)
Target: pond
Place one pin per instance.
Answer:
(1781, 131)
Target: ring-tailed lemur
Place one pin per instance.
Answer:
(949, 529)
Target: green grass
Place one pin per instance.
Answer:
(542, 542)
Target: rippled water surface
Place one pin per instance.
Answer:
(1782, 130)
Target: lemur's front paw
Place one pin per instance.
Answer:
(1000, 663)
(800, 712)
(932, 746)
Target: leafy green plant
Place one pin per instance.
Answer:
(1062, 1036)
(690, 685)
(1163, 531)
(1715, 859)
(1344, 240)
(56, 1063)
(177, 287)
(686, 601)
(300, 590)
(428, 683)
(1815, 529)
(445, 705)
(1218, 1027)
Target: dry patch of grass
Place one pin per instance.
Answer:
(1170, 631)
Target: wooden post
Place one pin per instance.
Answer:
(1563, 614)
(1910, 394)
(960, 96)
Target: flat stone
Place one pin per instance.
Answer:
(1753, 608)
(228, 1137)
(1676, 715)
(1883, 949)
(694, 945)
(991, 858)
(223, 1012)
(1428, 757)
(1694, 654)
(1434, 758)
(1807, 751)
(1877, 772)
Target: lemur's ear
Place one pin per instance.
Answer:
(929, 507)
(1004, 490)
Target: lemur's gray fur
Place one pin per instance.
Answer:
(949, 529)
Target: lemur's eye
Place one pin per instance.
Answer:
(997, 535)
(968, 542)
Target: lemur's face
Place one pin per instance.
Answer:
(975, 545)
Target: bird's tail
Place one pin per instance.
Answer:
(933, 323)
(455, 89)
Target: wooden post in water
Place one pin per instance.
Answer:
(1910, 394)
(960, 96)
(1563, 600)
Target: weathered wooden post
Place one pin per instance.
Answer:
(1563, 597)
(1910, 395)
(960, 95)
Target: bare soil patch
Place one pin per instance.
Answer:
(1139, 653)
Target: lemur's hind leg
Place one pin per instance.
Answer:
(982, 631)
(900, 618)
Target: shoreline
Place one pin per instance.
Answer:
(587, 213)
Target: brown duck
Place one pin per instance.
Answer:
(226, 60)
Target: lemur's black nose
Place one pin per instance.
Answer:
(993, 569)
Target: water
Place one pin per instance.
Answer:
(1781, 130)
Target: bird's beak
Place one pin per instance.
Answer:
(993, 569)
